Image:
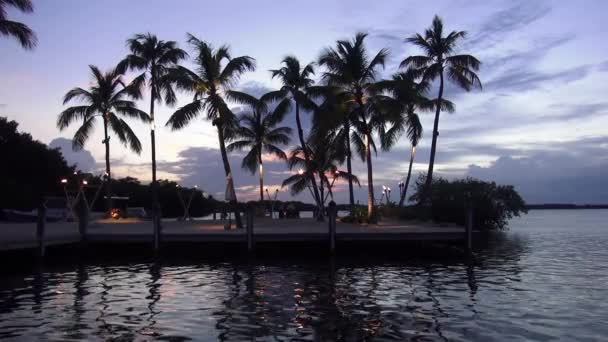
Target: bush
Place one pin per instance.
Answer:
(493, 205)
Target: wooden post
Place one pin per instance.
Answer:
(332, 213)
(469, 227)
(83, 218)
(156, 225)
(249, 227)
(40, 228)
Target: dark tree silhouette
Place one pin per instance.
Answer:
(216, 73)
(24, 35)
(296, 82)
(154, 57)
(106, 98)
(30, 170)
(258, 132)
(351, 71)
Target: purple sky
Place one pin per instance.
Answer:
(539, 123)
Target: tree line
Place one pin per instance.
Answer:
(352, 108)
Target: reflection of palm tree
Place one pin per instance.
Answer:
(19, 31)
(258, 133)
(108, 98)
(439, 58)
(154, 296)
(82, 276)
(217, 72)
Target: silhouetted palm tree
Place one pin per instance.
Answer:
(439, 57)
(326, 155)
(106, 98)
(410, 96)
(19, 31)
(296, 82)
(154, 57)
(216, 73)
(259, 133)
(353, 73)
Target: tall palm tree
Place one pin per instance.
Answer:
(296, 82)
(154, 57)
(19, 31)
(259, 133)
(216, 73)
(350, 70)
(107, 98)
(439, 57)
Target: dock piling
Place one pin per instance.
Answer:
(469, 227)
(332, 214)
(249, 227)
(40, 228)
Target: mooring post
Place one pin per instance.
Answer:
(249, 227)
(332, 225)
(469, 227)
(40, 228)
(83, 218)
(156, 225)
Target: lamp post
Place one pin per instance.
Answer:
(272, 201)
(401, 188)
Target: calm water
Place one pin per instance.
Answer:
(543, 280)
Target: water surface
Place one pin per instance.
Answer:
(545, 279)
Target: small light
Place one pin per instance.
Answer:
(64, 181)
(75, 172)
(84, 182)
(384, 187)
(389, 189)
(300, 172)
(196, 186)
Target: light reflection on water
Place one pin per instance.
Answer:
(543, 280)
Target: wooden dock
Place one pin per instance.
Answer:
(19, 236)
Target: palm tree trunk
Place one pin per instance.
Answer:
(261, 176)
(307, 158)
(349, 167)
(429, 176)
(233, 202)
(155, 203)
(409, 174)
(108, 174)
(370, 180)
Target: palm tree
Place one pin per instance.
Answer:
(19, 31)
(354, 74)
(155, 58)
(326, 155)
(439, 57)
(259, 133)
(106, 98)
(409, 96)
(216, 73)
(296, 83)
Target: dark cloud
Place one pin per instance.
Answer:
(563, 173)
(83, 159)
(523, 80)
(497, 26)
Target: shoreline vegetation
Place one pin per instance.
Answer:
(342, 94)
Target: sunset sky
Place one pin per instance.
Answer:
(540, 122)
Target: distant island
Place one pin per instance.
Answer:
(565, 206)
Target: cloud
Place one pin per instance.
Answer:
(564, 173)
(522, 80)
(83, 159)
(501, 23)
